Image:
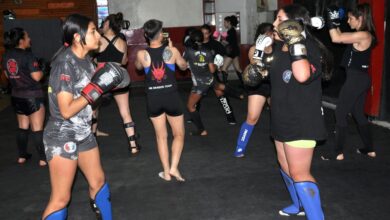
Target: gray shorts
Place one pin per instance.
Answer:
(68, 149)
(202, 84)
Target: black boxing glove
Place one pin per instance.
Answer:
(109, 76)
(333, 17)
(290, 31)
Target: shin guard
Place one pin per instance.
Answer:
(243, 138)
(37, 138)
(364, 131)
(102, 203)
(22, 141)
(296, 207)
(228, 109)
(58, 215)
(309, 195)
(195, 116)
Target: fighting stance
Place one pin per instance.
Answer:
(163, 99)
(257, 95)
(114, 49)
(201, 64)
(217, 48)
(69, 142)
(23, 72)
(297, 120)
(232, 47)
(356, 61)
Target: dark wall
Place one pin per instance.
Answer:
(385, 93)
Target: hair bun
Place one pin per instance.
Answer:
(119, 16)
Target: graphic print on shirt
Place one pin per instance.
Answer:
(12, 67)
(287, 76)
(158, 72)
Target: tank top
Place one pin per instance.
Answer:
(159, 76)
(111, 53)
(356, 60)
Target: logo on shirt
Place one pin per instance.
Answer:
(64, 77)
(12, 67)
(70, 147)
(287, 76)
(158, 72)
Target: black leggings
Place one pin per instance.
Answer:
(351, 100)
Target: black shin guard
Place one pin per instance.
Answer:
(366, 137)
(341, 133)
(224, 101)
(37, 139)
(197, 120)
(22, 141)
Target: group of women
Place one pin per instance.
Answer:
(298, 63)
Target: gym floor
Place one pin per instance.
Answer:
(218, 185)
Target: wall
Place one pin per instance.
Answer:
(174, 13)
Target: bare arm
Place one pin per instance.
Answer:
(212, 67)
(122, 47)
(37, 76)
(141, 59)
(69, 106)
(348, 38)
(301, 70)
(179, 60)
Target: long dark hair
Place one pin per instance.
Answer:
(263, 28)
(73, 24)
(364, 10)
(300, 13)
(13, 37)
(115, 22)
(232, 20)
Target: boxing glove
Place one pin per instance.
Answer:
(109, 76)
(290, 31)
(317, 22)
(333, 17)
(262, 42)
(218, 60)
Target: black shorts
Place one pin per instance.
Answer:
(159, 103)
(202, 84)
(27, 106)
(263, 89)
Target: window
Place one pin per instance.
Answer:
(209, 12)
(102, 10)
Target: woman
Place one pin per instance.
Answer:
(22, 69)
(232, 46)
(69, 142)
(257, 96)
(114, 49)
(356, 61)
(163, 100)
(296, 114)
(201, 62)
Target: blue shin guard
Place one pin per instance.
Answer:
(309, 195)
(243, 138)
(58, 215)
(102, 203)
(296, 207)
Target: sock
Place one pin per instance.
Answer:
(37, 139)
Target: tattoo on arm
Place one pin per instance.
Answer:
(167, 54)
(146, 56)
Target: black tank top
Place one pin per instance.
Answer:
(159, 76)
(356, 60)
(111, 53)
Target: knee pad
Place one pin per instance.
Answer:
(58, 215)
(309, 195)
(101, 205)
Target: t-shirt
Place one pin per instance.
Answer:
(69, 74)
(18, 65)
(296, 110)
(199, 61)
